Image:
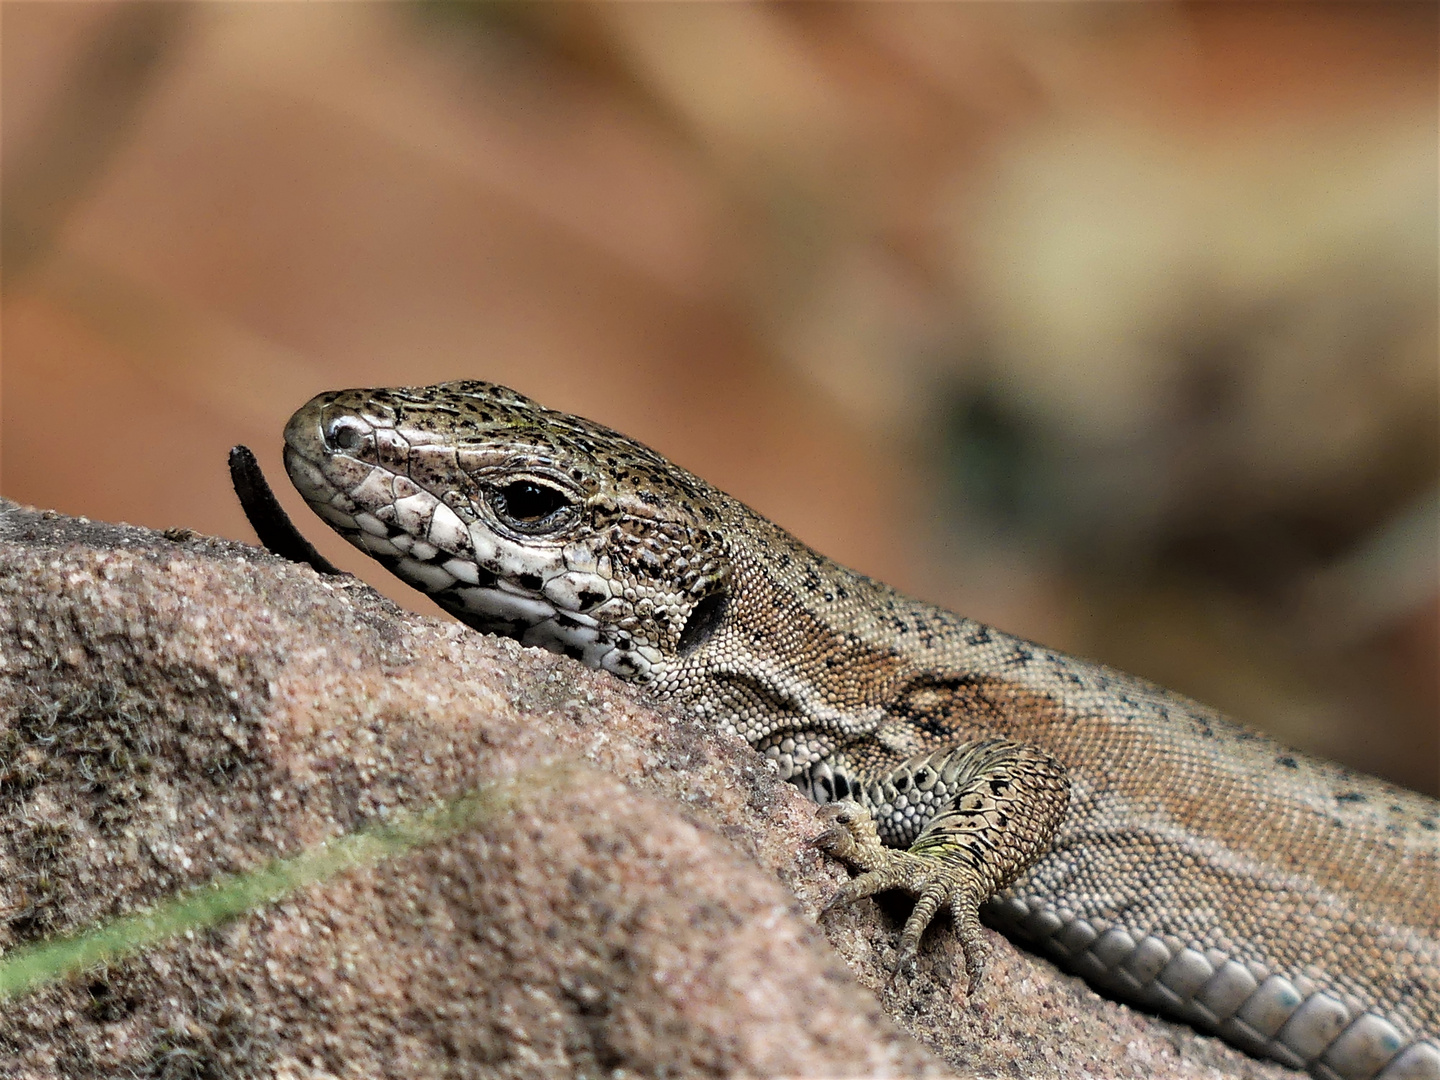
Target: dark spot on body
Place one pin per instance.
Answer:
(1286, 761)
(1351, 797)
(529, 581)
(938, 724)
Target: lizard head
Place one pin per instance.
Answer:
(520, 520)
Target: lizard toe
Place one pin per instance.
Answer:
(952, 887)
(836, 841)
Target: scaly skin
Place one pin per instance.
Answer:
(1169, 856)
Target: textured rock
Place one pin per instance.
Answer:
(636, 896)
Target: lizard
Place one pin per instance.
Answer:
(1169, 856)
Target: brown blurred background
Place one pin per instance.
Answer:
(1112, 324)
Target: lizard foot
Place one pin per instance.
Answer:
(853, 839)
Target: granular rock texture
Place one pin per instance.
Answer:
(639, 902)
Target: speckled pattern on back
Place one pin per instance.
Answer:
(1201, 869)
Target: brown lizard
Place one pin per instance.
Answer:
(1169, 856)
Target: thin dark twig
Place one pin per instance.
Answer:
(267, 517)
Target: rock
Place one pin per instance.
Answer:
(630, 893)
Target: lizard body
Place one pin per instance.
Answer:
(1171, 857)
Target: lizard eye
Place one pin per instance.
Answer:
(531, 507)
(344, 433)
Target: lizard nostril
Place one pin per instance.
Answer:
(343, 433)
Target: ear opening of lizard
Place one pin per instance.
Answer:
(1172, 858)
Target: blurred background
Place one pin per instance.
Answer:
(1114, 325)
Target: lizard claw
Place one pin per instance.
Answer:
(840, 838)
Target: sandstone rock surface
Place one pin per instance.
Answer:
(635, 898)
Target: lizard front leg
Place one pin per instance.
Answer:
(992, 809)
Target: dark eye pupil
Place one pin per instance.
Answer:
(524, 501)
